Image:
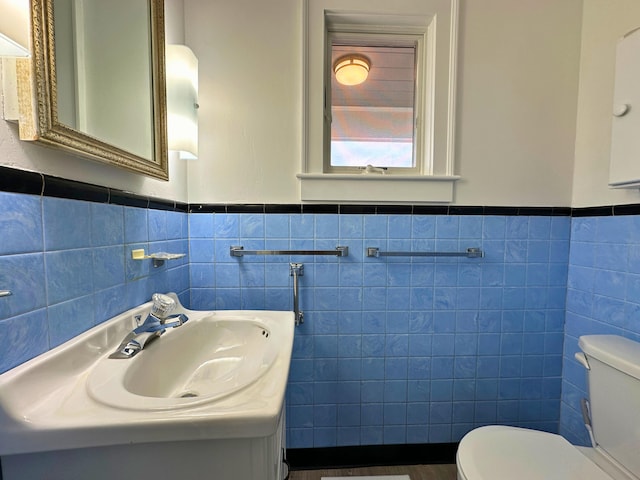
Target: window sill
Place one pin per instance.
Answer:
(376, 188)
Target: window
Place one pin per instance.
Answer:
(400, 121)
(373, 122)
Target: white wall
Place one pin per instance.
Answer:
(517, 102)
(604, 22)
(174, 21)
(34, 157)
(517, 96)
(250, 96)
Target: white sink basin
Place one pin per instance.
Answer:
(221, 375)
(201, 361)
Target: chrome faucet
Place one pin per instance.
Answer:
(153, 326)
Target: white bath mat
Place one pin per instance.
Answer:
(370, 477)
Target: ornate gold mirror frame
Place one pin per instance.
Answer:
(38, 102)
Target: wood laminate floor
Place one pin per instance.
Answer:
(415, 472)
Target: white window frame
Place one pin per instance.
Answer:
(434, 179)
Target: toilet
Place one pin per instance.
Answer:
(513, 453)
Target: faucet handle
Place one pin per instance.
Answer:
(163, 305)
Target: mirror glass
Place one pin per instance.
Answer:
(99, 80)
(103, 71)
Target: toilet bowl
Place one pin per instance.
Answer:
(513, 453)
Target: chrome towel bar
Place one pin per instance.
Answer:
(239, 251)
(469, 253)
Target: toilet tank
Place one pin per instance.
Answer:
(614, 396)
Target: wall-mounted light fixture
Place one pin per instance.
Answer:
(352, 69)
(14, 28)
(182, 101)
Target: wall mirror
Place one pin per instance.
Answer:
(95, 83)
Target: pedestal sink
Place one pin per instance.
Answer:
(205, 397)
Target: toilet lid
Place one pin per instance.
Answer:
(508, 453)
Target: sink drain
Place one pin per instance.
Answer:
(188, 395)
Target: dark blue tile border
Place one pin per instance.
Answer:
(61, 188)
(316, 208)
(536, 211)
(633, 209)
(156, 204)
(381, 209)
(605, 211)
(284, 208)
(245, 208)
(394, 210)
(455, 210)
(562, 211)
(33, 183)
(507, 211)
(358, 209)
(210, 208)
(128, 199)
(371, 455)
(20, 181)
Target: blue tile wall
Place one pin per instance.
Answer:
(393, 350)
(68, 264)
(603, 297)
(401, 349)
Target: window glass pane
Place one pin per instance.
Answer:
(361, 154)
(372, 123)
